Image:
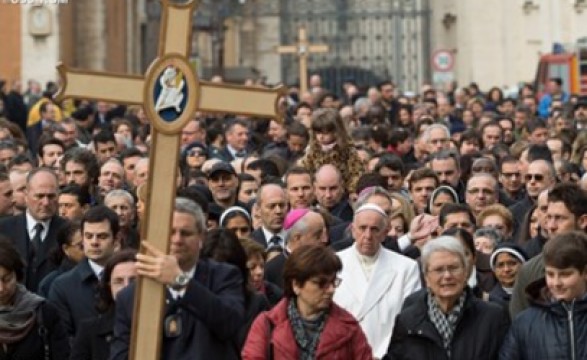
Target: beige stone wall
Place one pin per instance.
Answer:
(499, 42)
(267, 38)
(39, 54)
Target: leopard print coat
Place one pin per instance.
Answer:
(347, 161)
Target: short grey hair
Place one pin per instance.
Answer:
(120, 193)
(490, 233)
(486, 176)
(444, 243)
(190, 207)
(300, 226)
(360, 103)
(369, 192)
(426, 135)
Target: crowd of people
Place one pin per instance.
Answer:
(368, 225)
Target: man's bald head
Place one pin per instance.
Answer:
(328, 186)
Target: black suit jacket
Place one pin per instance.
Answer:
(224, 155)
(15, 228)
(212, 313)
(259, 237)
(93, 339)
(74, 295)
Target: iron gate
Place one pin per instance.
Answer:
(370, 41)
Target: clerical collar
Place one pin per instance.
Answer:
(367, 262)
(366, 259)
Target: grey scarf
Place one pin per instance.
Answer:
(445, 324)
(306, 332)
(18, 319)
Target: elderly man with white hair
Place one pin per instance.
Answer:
(375, 281)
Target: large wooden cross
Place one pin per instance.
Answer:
(303, 49)
(170, 93)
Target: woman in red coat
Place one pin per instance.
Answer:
(307, 324)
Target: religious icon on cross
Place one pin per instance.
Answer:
(170, 93)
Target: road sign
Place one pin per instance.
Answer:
(443, 77)
(443, 60)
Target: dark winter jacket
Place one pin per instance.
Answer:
(547, 330)
(478, 335)
(32, 346)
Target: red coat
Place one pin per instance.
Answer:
(341, 339)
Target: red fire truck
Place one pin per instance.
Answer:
(569, 64)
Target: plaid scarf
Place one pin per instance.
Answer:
(306, 332)
(445, 324)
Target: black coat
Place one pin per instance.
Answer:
(499, 296)
(543, 331)
(213, 312)
(45, 284)
(273, 293)
(343, 211)
(32, 346)
(93, 339)
(75, 294)
(519, 211)
(16, 110)
(478, 335)
(534, 246)
(257, 304)
(15, 228)
(274, 270)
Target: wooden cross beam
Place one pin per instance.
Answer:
(170, 93)
(303, 49)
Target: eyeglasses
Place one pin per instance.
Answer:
(451, 269)
(324, 282)
(537, 177)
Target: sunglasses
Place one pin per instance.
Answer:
(537, 177)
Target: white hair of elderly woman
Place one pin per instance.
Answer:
(445, 244)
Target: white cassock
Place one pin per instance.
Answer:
(377, 302)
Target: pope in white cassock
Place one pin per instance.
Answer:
(375, 281)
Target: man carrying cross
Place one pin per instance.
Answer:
(204, 300)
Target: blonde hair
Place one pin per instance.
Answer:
(499, 210)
